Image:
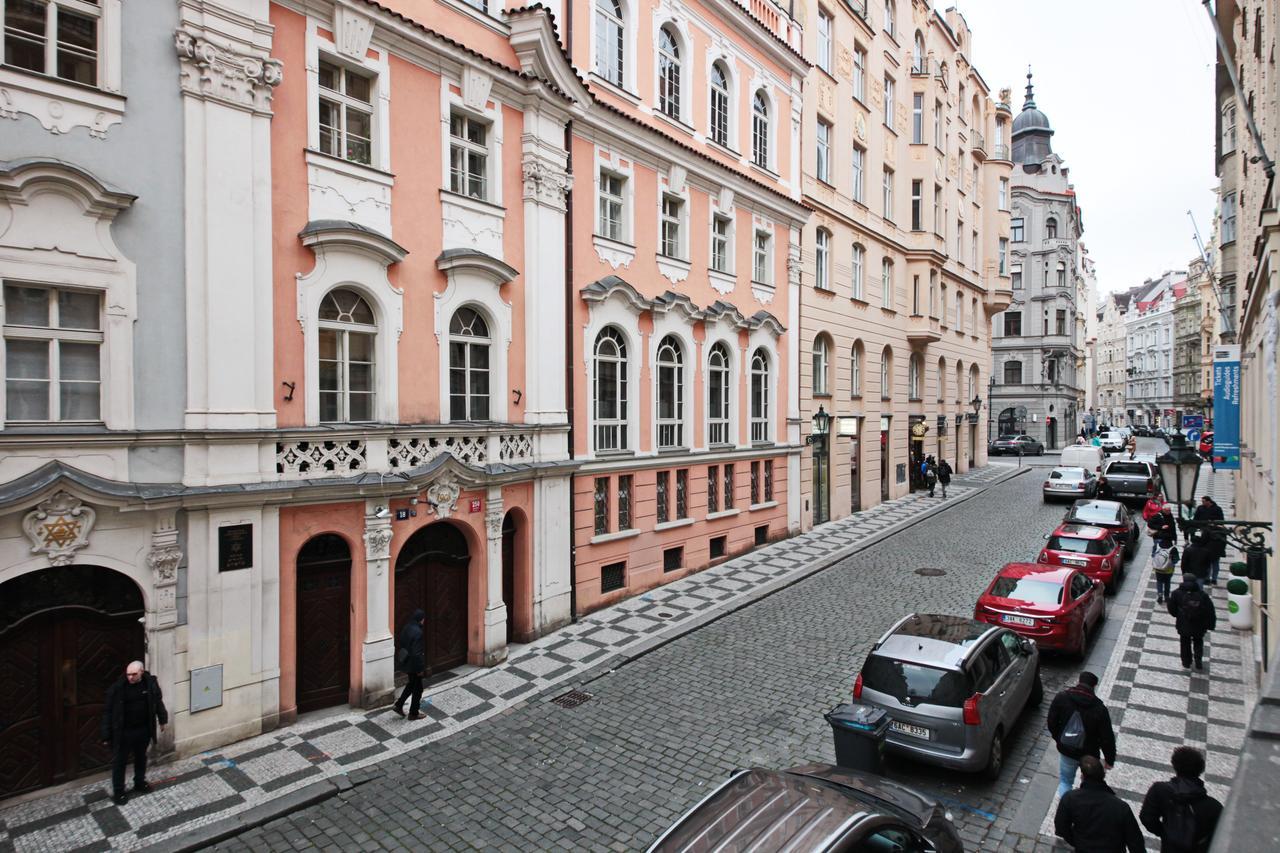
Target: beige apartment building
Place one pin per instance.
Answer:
(906, 164)
(1109, 361)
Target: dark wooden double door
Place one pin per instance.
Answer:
(431, 575)
(323, 651)
(55, 668)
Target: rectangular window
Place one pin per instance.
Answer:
(937, 124)
(672, 559)
(762, 534)
(917, 204)
(959, 312)
(915, 295)
(768, 481)
(760, 259)
(1228, 128)
(53, 342)
(860, 74)
(888, 194)
(823, 164)
(859, 159)
(1017, 233)
(611, 201)
(917, 118)
(1229, 218)
(973, 250)
(1016, 275)
(672, 207)
(858, 257)
(468, 156)
(719, 546)
(59, 39)
(1013, 324)
(728, 485)
(1002, 255)
(886, 283)
(1060, 322)
(888, 102)
(346, 114)
(613, 576)
(602, 505)
(624, 501)
(937, 210)
(825, 27)
(682, 492)
(890, 25)
(755, 483)
(1002, 194)
(713, 488)
(720, 243)
(663, 497)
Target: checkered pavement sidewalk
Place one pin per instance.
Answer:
(199, 790)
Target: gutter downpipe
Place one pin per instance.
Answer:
(568, 326)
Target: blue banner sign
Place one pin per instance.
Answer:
(1226, 408)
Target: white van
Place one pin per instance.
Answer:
(1084, 456)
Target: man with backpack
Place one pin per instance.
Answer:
(1194, 614)
(1080, 725)
(944, 475)
(1092, 818)
(1163, 563)
(930, 474)
(1179, 812)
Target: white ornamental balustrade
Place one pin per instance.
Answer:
(406, 451)
(347, 456)
(304, 460)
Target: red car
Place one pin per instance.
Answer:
(1058, 607)
(1092, 550)
(1206, 443)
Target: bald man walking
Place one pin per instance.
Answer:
(132, 709)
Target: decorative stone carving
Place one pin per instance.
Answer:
(58, 527)
(676, 177)
(545, 183)
(351, 32)
(493, 521)
(163, 560)
(442, 496)
(96, 111)
(213, 72)
(475, 88)
(725, 202)
(377, 542)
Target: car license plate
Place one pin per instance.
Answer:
(1074, 561)
(1018, 620)
(908, 729)
(1064, 486)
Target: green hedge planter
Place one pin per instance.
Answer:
(1239, 569)
(1236, 586)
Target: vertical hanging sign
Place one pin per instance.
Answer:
(1226, 408)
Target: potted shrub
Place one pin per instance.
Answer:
(1239, 601)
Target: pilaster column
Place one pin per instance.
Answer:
(162, 615)
(495, 611)
(377, 652)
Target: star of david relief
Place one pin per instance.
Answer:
(58, 527)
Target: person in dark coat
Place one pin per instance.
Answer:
(411, 659)
(1210, 511)
(944, 475)
(930, 474)
(1163, 529)
(1166, 802)
(1194, 614)
(1099, 736)
(131, 710)
(1092, 819)
(1197, 559)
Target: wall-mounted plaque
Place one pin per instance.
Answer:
(235, 547)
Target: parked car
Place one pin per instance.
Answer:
(1083, 456)
(1012, 444)
(1092, 550)
(952, 687)
(1206, 443)
(1069, 483)
(1058, 607)
(1113, 441)
(1112, 515)
(1142, 431)
(1129, 480)
(814, 807)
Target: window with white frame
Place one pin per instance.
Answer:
(937, 210)
(825, 40)
(823, 163)
(760, 395)
(468, 156)
(612, 203)
(669, 73)
(760, 265)
(609, 391)
(670, 393)
(1228, 218)
(917, 205)
(960, 241)
(719, 120)
(888, 101)
(1228, 128)
(1051, 228)
(915, 295)
(886, 374)
(468, 366)
(719, 394)
(1015, 274)
(672, 216)
(913, 377)
(1062, 275)
(855, 370)
(918, 54)
(346, 113)
(859, 73)
(886, 282)
(53, 344)
(1002, 194)
(890, 16)
(941, 379)
(760, 130)
(859, 257)
(347, 334)
(721, 243)
(974, 260)
(821, 361)
(859, 175)
(937, 124)
(610, 47)
(822, 259)
(933, 293)
(959, 311)
(1017, 231)
(1002, 255)
(917, 118)
(60, 39)
(888, 194)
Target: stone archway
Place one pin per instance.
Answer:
(66, 633)
(432, 575)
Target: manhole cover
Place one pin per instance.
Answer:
(931, 573)
(572, 699)
(662, 614)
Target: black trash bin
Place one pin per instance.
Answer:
(859, 732)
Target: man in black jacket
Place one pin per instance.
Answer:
(411, 658)
(1194, 614)
(132, 708)
(1092, 819)
(1210, 511)
(1181, 807)
(1099, 737)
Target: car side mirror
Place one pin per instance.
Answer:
(1046, 537)
(1027, 646)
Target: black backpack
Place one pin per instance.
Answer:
(1180, 829)
(1192, 608)
(1073, 733)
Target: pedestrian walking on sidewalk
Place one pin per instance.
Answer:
(1163, 564)
(1193, 613)
(1197, 558)
(411, 659)
(944, 475)
(1092, 819)
(1214, 540)
(132, 708)
(930, 474)
(1180, 812)
(1163, 529)
(1080, 725)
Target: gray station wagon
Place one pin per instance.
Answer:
(953, 688)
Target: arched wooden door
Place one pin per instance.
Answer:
(322, 647)
(66, 634)
(431, 575)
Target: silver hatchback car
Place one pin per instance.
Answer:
(953, 689)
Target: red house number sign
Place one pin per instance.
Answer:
(475, 504)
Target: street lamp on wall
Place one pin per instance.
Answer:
(821, 426)
(976, 404)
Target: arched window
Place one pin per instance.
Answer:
(670, 392)
(973, 384)
(959, 311)
(609, 41)
(347, 334)
(822, 260)
(609, 391)
(886, 374)
(718, 394)
(468, 366)
(1051, 228)
(913, 377)
(760, 395)
(821, 361)
(859, 254)
(668, 73)
(719, 104)
(1013, 373)
(960, 381)
(855, 370)
(918, 55)
(942, 379)
(760, 130)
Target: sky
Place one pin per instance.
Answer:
(1128, 89)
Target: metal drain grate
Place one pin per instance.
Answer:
(931, 573)
(572, 699)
